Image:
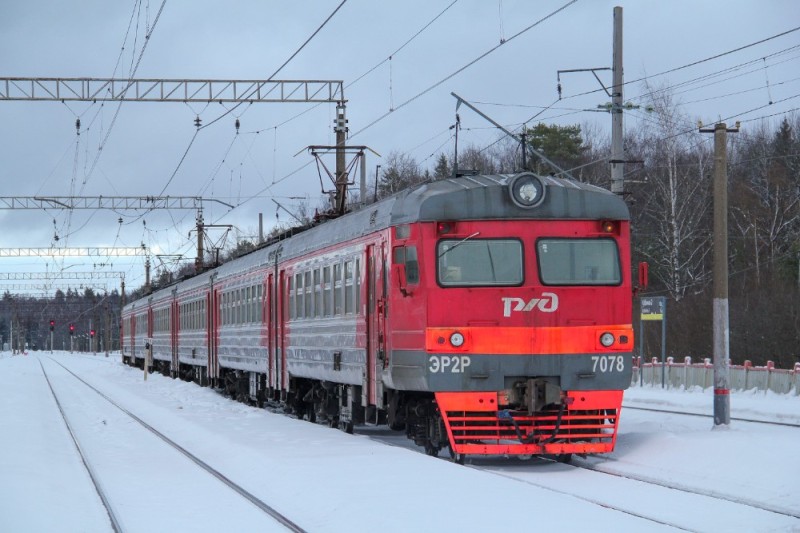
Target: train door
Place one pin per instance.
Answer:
(173, 332)
(213, 300)
(376, 315)
(283, 372)
(278, 375)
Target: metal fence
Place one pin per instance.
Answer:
(742, 377)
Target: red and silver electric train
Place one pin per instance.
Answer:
(487, 314)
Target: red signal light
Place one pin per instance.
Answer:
(52, 324)
(91, 332)
(445, 227)
(72, 329)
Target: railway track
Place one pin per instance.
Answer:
(649, 492)
(105, 492)
(734, 418)
(600, 467)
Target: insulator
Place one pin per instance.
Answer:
(237, 125)
(78, 125)
(197, 121)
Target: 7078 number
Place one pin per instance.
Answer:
(608, 363)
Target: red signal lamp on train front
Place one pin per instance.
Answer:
(445, 227)
(608, 226)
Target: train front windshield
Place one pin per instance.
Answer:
(578, 262)
(479, 262)
(499, 262)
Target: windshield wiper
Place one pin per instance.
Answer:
(459, 243)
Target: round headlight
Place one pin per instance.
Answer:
(606, 339)
(527, 190)
(456, 339)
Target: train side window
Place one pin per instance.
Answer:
(251, 315)
(309, 295)
(328, 291)
(224, 308)
(348, 287)
(317, 294)
(358, 285)
(298, 289)
(292, 312)
(338, 303)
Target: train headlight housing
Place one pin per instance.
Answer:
(607, 339)
(527, 190)
(457, 339)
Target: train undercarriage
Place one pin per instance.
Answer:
(535, 417)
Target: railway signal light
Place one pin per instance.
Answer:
(91, 333)
(72, 329)
(52, 324)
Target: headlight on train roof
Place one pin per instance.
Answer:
(527, 190)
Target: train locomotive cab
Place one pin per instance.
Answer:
(511, 331)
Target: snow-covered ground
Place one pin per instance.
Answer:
(325, 480)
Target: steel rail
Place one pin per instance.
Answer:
(738, 419)
(92, 475)
(283, 520)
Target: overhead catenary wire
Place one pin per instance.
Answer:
(464, 67)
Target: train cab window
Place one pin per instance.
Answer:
(407, 255)
(479, 263)
(578, 261)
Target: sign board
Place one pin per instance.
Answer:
(654, 307)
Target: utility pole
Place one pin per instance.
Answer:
(198, 262)
(341, 171)
(147, 275)
(722, 398)
(616, 107)
(617, 154)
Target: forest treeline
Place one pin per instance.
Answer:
(25, 321)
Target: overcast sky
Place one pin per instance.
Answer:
(144, 144)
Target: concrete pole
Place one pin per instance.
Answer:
(617, 152)
(363, 184)
(722, 407)
(147, 275)
(198, 262)
(341, 169)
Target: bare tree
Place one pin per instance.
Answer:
(675, 205)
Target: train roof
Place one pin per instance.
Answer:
(486, 197)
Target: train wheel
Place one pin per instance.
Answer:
(457, 458)
(431, 450)
(565, 458)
